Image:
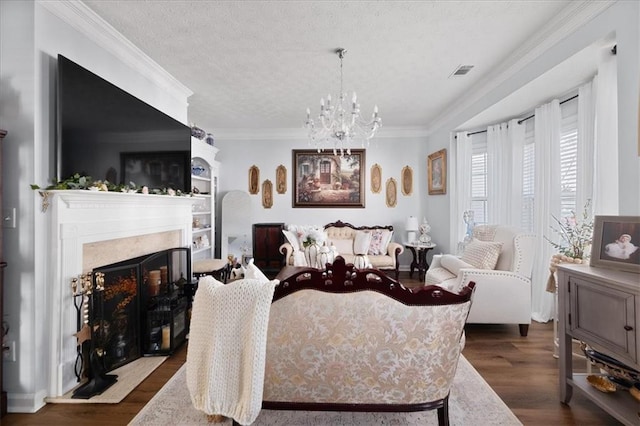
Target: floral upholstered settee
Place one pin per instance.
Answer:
(364, 246)
(344, 339)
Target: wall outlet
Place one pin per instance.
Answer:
(9, 351)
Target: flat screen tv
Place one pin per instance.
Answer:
(109, 134)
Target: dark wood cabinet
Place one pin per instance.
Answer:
(3, 394)
(267, 239)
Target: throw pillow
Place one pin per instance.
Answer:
(380, 239)
(292, 239)
(343, 245)
(482, 254)
(361, 242)
(453, 263)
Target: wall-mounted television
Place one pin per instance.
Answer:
(109, 134)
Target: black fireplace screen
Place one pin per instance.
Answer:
(140, 311)
(117, 316)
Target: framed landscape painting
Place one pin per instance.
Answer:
(321, 179)
(616, 243)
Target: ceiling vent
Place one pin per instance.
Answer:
(461, 70)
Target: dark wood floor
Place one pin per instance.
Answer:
(521, 370)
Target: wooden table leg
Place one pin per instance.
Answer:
(414, 262)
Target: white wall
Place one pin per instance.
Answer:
(31, 36)
(237, 156)
(623, 19)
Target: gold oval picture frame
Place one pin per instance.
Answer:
(267, 194)
(281, 179)
(254, 179)
(376, 178)
(392, 192)
(407, 180)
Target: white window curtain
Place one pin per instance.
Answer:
(505, 156)
(606, 149)
(547, 202)
(585, 146)
(460, 200)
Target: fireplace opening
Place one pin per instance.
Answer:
(132, 308)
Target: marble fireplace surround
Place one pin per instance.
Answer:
(89, 229)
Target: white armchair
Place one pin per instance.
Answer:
(500, 261)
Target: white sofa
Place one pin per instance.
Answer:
(500, 261)
(381, 252)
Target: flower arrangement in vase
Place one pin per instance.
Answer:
(576, 234)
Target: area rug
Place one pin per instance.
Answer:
(472, 402)
(129, 376)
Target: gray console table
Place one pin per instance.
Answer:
(600, 307)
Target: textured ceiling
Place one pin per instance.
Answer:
(260, 64)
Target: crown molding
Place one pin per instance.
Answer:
(230, 134)
(572, 17)
(86, 21)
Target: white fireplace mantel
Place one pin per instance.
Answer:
(79, 217)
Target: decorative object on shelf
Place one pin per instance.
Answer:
(407, 180)
(615, 243)
(254, 178)
(281, 179)
(267, 194)
(209, 139)
(311, 252)
(197, 132)
(337, 127)
(612, 366)
(361, 261)
(376, 178)
(197, 169)
(391, 196)
(437, 172)
(424, 229)
(326, 255)
(635, 391)
(557, 259)
(325, 180)
(468, 218)
(411, 228)
(576, 234)
(601, 383)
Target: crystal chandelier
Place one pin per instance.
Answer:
(336, 127)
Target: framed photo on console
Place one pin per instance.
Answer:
(321, 179)
(616, 243)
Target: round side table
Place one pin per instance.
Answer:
(419, 252)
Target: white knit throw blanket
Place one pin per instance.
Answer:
(227, 346)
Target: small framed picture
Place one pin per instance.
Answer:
(407, 180)
(254, 178)
(391, 195)
(437, 172)
(616, 242)
(376, 178)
